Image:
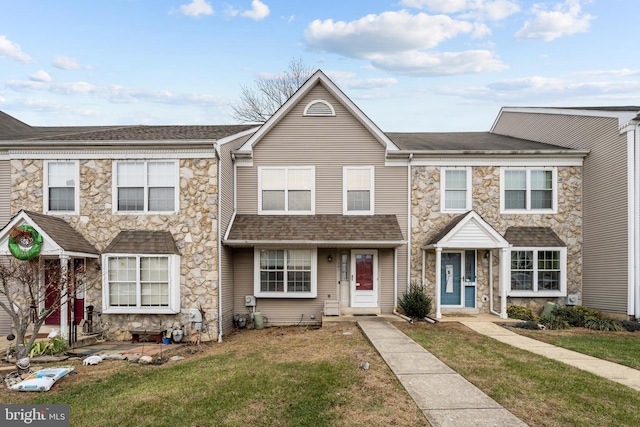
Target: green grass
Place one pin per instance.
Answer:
(232, 389)
(617, 347)
(280, 377)
(540, 391)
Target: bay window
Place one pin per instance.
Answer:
(538, 271)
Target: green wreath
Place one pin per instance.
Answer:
(25, 242)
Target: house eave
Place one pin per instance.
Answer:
(318, 243)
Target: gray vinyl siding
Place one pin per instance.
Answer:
(328, 144)
(225, 197)
(5, 192)
(605, 234)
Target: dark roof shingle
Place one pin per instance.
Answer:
(67, 237)
(315, 228)
(464, 141)
(143, 242)
(535, 237)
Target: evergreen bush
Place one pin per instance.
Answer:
(414, 302)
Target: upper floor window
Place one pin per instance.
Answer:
(528, 190)
(455, 191)
(538, 271)
(61, 186)
(358, 190)
(286, 190)
(146, 186)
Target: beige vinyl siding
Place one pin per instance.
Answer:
(5, 192)
(605, 235)
(284, 311)
(329, 144)
(225, 205)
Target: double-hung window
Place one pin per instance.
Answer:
(285, 273)
(286, 190)
(61, 184)
(141, 284)
(528, 190)
(358, 190)
(146, 186)
(538, 271)
(455, 192)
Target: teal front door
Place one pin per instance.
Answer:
(450, 283)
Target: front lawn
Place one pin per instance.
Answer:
(540, 391)
(272, 377)
(618, 347)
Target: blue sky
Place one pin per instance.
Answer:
(410, 65)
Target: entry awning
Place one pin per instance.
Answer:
(361, 231)
(467, 231)
(59, 237)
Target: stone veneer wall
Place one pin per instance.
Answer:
(194, 229)
(427, 220)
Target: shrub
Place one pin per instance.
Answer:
(630, 325)
(600, 324)
(554, 322)
(414, 302)
(520, 312)
(56, 345)
(576, 315)
(527, 325)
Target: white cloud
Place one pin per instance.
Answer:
(258, 11)
(565, 19)
(67, 63)
(40, 76)
(348, 80)
(607, 73)
(493, 10)
(416, 63)
(197, 8)
(389, 32)
(11, 50)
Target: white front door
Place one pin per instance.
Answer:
(364, 278)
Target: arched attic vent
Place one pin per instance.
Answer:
(319, 107)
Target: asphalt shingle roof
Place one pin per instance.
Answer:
(62, 233)
(143, 242)
(533, 237)
(315, 228)
(464, 141)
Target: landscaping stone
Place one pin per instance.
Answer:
(145, 359)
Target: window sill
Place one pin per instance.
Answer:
(541, 294)
(528, 212)
(286, 295)
(138, 310)
(146, 212)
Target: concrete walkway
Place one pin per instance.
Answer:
(445, 397)
(618, 373)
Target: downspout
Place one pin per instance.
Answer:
(636, 216)
(219, 160)
(491, 309)
(409, 227)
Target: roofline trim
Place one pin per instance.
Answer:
(622, 116)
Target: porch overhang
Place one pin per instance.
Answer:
(59, 238)
(341, 231)
(467, 231)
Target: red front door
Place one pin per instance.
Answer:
(75, 305)
(364, 286)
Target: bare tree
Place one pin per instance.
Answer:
(25, 293)
(259, 102)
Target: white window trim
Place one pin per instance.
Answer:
(543, 294)
(319, 101)
(256, 276)
(528, 210)
(174, 287)
(146, 211)
(372, 180)
(443, 182)
(76, 188)
(286, 210)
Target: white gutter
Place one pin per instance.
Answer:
(491, 309)
(631, 223)
(219, 242)
(409, 226)
(395, 278)
(636, 217)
